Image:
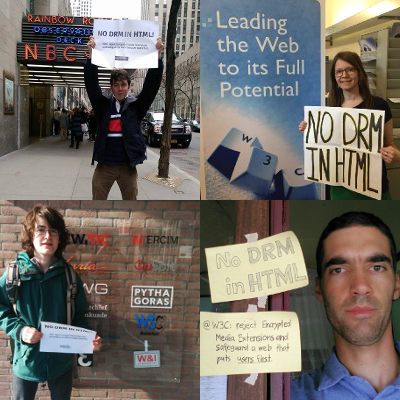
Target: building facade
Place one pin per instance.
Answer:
(187, 103)
(188, 35)
(14, 125)
(81, 8)
(25, 106)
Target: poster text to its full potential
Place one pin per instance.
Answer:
(239, 343)
(268, 266)
(271, 36)
(341, 148)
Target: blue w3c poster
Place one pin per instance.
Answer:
(260, 65)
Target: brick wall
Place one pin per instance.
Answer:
(118, 245)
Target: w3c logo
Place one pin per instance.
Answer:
(151, 322)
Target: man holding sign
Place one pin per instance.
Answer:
(42, 296)
(356, 263)
(119, 145)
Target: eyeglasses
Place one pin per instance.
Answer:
(349, 71)
(43, 231)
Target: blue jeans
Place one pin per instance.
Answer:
(60, 388)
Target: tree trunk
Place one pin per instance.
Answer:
(163, 162)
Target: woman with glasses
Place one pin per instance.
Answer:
(349, 89)
(41, 297)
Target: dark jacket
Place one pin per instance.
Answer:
(76, 124)
(41, 297)
(132, 113)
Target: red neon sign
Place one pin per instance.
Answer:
(51, 52)
(29, 50)
(65, 53)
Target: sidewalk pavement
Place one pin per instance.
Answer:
(50, 170)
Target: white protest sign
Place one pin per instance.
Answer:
(125, 43)
(243, 271)
(60, 338)
(341, 148)
(240, 343)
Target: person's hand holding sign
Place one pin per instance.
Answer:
(390, 154)
(159, 46)
(302, 126)
(91, 45)
(97, 343)
(31, 335)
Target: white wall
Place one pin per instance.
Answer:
(338, 10)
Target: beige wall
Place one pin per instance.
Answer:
(338, 10)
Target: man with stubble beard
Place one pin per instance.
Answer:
(357, 282)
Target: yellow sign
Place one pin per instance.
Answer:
(240, 343)
(268, 266)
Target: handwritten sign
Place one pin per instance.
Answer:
(125, 43)
(341, 148)
(239, 343)
(268, 266)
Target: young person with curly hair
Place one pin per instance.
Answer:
(41, 297)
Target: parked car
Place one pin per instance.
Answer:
(195, 125)
(151, 128)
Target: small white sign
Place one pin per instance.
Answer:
(146, 359)
(185, 251)
(60, 338)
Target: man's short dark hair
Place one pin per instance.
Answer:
(346, 220)
(119, 75)
(55, 221)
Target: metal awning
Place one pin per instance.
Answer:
(60, 75)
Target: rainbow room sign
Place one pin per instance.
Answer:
(54, 39)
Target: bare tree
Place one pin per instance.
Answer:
(163, 162)
(186, 82)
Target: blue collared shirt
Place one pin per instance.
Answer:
(332, 381)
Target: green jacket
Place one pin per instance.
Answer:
(41, 297)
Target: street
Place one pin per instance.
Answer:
(187, 160)
(50, 169)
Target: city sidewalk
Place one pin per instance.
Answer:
(50, 170)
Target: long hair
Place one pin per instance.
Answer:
(55, 221)
(336, 97)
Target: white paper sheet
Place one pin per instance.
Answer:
(125, 43)
(60, 338)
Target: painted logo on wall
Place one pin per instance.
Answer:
(140, 240)
(152, 323)
(86, 268)
(93, 239)
(155, 266)
(152, 296)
